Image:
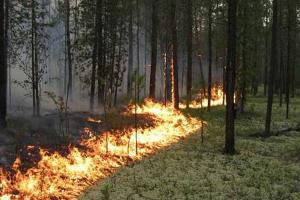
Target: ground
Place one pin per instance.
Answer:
(263, 168)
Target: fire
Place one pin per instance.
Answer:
(201, 100)
(65, 177)
(93, 120)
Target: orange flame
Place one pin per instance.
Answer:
(65, 177)
(201, 100)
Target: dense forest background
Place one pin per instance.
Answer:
(97, 50)
(89, 87)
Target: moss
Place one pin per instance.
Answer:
(263, 168)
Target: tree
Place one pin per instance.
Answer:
(210, 7)
(292, 17)
(175, 91)
(3, 68)
(97, 38)
(230, 77)
(130, 53)
(68, 48)
(153, 49)
(273, 67)
(190, 52)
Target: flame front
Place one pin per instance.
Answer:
(201, 101)
(65, 177)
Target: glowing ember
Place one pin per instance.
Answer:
(93, 120)
(65, 177)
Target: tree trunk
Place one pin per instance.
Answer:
(36, 66)
(273, 67)
(138, 47)
(153, 49)
(174, 63)
(281, 55)
(190, 52)
(7, 32)
(93, 76)
(130, 53)
(266, 69)
(291, 51)
(209, 54)
(3, 69)
(101, 48)
(245, 59)
(230, 77)
(68, 43)
(33, 60)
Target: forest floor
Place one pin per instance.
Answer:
(263, 168)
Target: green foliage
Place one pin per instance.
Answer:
(105, 193)
(61, 109)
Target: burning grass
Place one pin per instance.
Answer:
(57, 176)
(263, 168)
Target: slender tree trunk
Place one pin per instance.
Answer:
(112, 65)
(119, 63)
(245, 59)
(224, 75)
(94, 58)
(153, 49)
(93, 77)
(69, 54)
(209, 54)
(281, 74)
(199, 30)
(281, 54)
(7, 32)
(291, 50)
(33, 73)
(36, 52)
(230, 77)
(273, 67)
(3, 69)
(174, 63)
(101, 48)
(266, 69)
(145, 59)
(138, 47)
(190, 52)
(130, 52)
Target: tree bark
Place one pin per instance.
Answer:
(3, 69)
(130, 52)
(266, 68)
(69, 54)
(245, 59)
(209, 54)
(138, 47)
(291, 51)
(101, 48)
(230, 77)
(174, 63)
(33, 60)
(273, 67)
(153, 49)
(190, 52)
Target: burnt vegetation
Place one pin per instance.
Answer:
(90, 86)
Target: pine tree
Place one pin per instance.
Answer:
(3, 68)
(230, 77)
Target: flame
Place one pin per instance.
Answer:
(93, 120)
(65, 177)
(201, 100)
